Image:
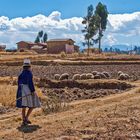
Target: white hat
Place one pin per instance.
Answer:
(26, 62)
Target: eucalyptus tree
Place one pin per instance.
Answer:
(45, 38)
(90, 29)
(102, 13)
(37, 40)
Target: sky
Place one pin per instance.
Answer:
(69, 8)
(22, 19)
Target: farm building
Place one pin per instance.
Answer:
(2, 48)
(56, 46)
(53, 46)
(38, 47)
(24, 45)
(91, 50)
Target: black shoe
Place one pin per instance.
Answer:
(24, 123)
(28, 122)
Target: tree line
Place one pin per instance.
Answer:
(95, 24)
(134, 50)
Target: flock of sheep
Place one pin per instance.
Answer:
(92, 75)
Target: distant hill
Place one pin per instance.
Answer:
(121, 47)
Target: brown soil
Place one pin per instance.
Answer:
(110, 116)
(113, 117)
(86, 84)
(78, 90)
(49, 71)
(69, 95)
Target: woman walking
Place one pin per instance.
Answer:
(26, 96)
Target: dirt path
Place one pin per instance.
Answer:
(81, 116)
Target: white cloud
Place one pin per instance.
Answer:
(121, 28)
(110, 40)
(55, 16)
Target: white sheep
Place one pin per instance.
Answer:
(106, 74)
(97, 76)
(64, 76)
(127, 76)
(76, 77)
(89, 76)
(123, 76)
(95, 72)
(103, 76)
(83, 76)
(119, 73)
(57, 76)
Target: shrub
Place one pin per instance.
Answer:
(54, 105)
(63, 54)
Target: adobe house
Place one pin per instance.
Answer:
(2, 48)
(91, 50)
(25, 45)
(56, 46)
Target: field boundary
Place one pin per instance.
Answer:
(68, 62)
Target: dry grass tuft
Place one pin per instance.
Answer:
(7, 94)
(63, 54)
(54, 105)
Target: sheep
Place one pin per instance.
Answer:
(100, 76)
(103, 76)
(127, 76)
(64, 76)
(76, 77)
(119, 73)
(57, 76)
(123, 76)
(95, 72)
(89, 76)
(106, 74)
(83, 76)
(97, 76)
